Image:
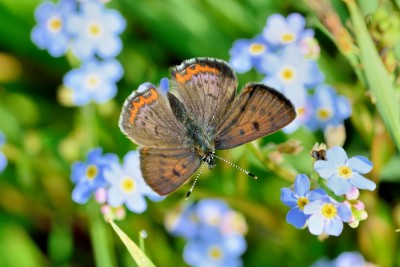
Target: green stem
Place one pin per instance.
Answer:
(376, 75)
(99, 234)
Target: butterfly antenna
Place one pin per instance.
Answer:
(194, 182)
(237, 167)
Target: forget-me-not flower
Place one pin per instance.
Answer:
(282, 31)
(342, 173)
(328, 108)
(3, 159)
(247, 53)
(345, 259)
(94, 81)
(215, 251)
(127, 185)
(95, 31)
(289, 72)
(50, 33)
(298, 199)
(183, 222)
(89, 176)
(326, 216)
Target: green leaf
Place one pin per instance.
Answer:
(376, 75)
(140, 258)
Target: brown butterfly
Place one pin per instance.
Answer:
(177, 130)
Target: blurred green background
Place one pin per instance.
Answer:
(41, 226)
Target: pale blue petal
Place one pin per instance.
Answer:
(92, 9)
(288, 198)
(81, 193)
(337, 155)
(360, 164)
(334, 227)
(316, 224)
(241, 63)
(269, 64)
(3, 162)
(234, 244)
(344, 212)
(109, 47)
(94, 154)
(313, 207)
(115, 196)
(317, 194)
(339, 185)
(113, 21)
(301, 185)
(111, 70)
(78, 171)
(273, 82)
(343, 107)
(361, 182)
(296, 217)
(106, 92)
(296, 22)
(136, 203)
(326, 169)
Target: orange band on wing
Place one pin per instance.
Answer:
(140, 101)
(190, 72)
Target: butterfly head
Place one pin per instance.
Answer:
(209, 159)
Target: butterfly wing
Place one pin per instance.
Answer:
(166, 169)
(258, 111)
(206, 87)
(147, 119)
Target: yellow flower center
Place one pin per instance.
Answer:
(302, 202)
(95, 29)
(287, 37)
(323, 113)
(329, 211)
(345, 172)
(92, 81)
(256, 48)
(288, 74)
(91, 172)
(54, 24)
(214, 220)
(128, 184)
(215, 253)
(300, 111)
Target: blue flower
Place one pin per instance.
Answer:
(298, 199)
(345, 259)
(328, 108)
(247, 53)
(94, 80)
(183, 222)
(327, 216)
(95, 30)
(211, 213)
(50, 33)
(290, 72)
(3, 159)
(342, 173)
(280, 31)
(215, 251)
(127, 184)
(89, 176)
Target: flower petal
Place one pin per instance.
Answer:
(361, 182)
(339, 185)
(334, 227)
(360, 164)
(296, 217)
(301, 185)
(288, 198)
(326, 169)
(115, 196)
(344, 212)
(337, 155)
(136, 203)
(316, 224)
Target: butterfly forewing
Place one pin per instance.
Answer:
(206, 87)
(147, 119)
(166, 169)
(258, 111)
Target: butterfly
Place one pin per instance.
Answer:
(179, 129)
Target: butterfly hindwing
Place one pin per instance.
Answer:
(206, 87)
(166, 169)
(258, 111)
(147, 119)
